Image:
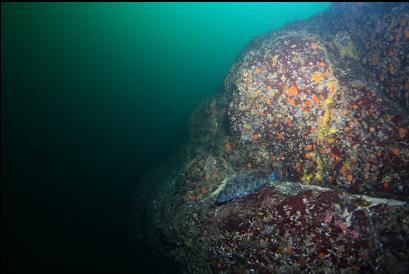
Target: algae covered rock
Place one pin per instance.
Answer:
(323, 104)
(202, 176)
(315, 104)
(312, 230)
(209, 121)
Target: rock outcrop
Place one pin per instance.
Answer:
(325, 102)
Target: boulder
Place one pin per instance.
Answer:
(324, 103)
(307, 97)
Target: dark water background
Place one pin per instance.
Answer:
(92, 97)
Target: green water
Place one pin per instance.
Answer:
(93, 96)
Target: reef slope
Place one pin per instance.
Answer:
(324, 102)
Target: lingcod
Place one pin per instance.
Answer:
(243, 185)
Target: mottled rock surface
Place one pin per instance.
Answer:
(324, 102)
(307, 95)
(311, 230)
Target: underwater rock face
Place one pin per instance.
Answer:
(381, 33)
(288, 228)
(313, 230)
(209, 120)
(314, 103)
(202, 176)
